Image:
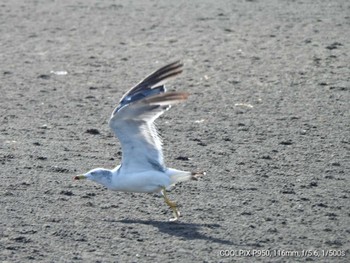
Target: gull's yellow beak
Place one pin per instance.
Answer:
(79, 177)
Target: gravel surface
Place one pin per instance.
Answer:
(268, 119)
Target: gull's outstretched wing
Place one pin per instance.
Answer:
(133, 120)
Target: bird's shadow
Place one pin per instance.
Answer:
(188, 231)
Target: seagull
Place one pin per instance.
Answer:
(142, 169)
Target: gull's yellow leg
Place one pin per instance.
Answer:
(171, 204)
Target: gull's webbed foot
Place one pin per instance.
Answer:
(172, 205)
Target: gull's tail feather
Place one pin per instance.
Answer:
(177, 176)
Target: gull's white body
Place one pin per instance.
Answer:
(141, 182)
(150, 181)
(144, 182)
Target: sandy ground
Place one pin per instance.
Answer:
(268, 120)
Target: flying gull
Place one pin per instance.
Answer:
(142, 168)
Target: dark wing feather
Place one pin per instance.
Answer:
(151, 85)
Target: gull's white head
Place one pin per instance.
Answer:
(98, 175)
